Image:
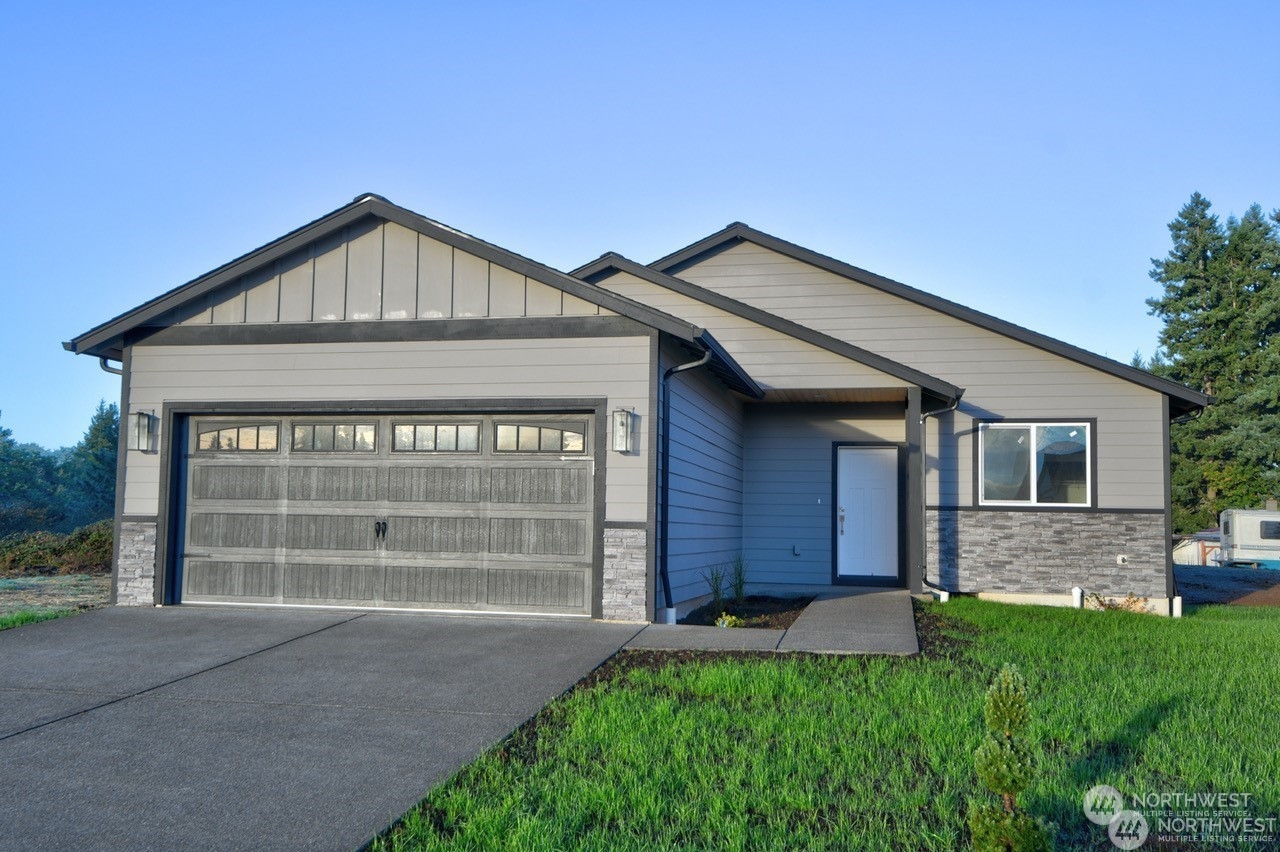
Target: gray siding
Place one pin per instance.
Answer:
(376, 271)
(615, 368)
(1001, 376)
(706, 477)
(788, 480)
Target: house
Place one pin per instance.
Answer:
(377, 410)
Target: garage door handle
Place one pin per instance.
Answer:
(195, 556)
(380, 529)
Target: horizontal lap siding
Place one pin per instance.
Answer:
(706, 478)
(613, 368)
(787, 482)
(1001, 376)
(773, 359)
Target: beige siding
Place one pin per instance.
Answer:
(379, 271)
(1001, 376)
(615, 368)
(775, 360)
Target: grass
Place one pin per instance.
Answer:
(53, 593)
(28, 616)
(797, 751)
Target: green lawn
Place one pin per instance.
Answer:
(29, 616)
(793, 751)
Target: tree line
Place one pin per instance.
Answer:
(60, 490)
(1220, 307)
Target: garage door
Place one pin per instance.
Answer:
(491, 513)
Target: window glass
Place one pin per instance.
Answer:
(1038, 464)
(436, 438)
(1006, 457)
(1062, 465)
(1269, 530)
(237, 439)
(344, 438)
(335, 437)
(529, 438)
(505, 441)
(573, 442)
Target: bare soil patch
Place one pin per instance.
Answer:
(755, 611)
(1239, 586)
(42, 593)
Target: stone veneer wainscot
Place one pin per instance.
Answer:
(1047, 552)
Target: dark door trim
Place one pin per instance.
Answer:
(856, 580)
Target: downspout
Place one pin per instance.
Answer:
(924, 499)
(664, 485)
(107, 368)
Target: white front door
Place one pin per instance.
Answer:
(867, 512)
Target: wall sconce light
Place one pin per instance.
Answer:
(140, 431)
(623, 426)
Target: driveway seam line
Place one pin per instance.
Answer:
(177, 679)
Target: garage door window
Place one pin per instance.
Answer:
(335, 437)
(522, 438)
(436, 438)
(259, 438)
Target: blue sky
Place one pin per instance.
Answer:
(1022, 159)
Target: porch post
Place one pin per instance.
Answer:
(915, 494)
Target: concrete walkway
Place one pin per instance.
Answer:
(204, 728)
(856, 621)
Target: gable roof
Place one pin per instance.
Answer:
(601, 267)
(106, 340)
(1182, 399)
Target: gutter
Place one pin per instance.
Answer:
(668, 615)
(943, 593)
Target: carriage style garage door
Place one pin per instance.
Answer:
(490, 512)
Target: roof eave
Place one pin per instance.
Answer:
(612, 261)
(739, 232)
(107, 338)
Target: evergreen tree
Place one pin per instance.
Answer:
(27, 487)
(1219, 307)
(88, 477)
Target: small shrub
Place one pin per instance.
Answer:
(1129, 603)
(738, 578)
(84, 550)
(715, 577)
(1004, 764)
(727, 620)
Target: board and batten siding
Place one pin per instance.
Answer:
(788, 455)
(1002, 377)
(377, 270)
(775, 360)
(614, 368)
(705, 515)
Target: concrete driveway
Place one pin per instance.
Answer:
(187, 727)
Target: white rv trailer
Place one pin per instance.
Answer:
(1251, 538)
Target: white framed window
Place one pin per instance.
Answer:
(1035, 464)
